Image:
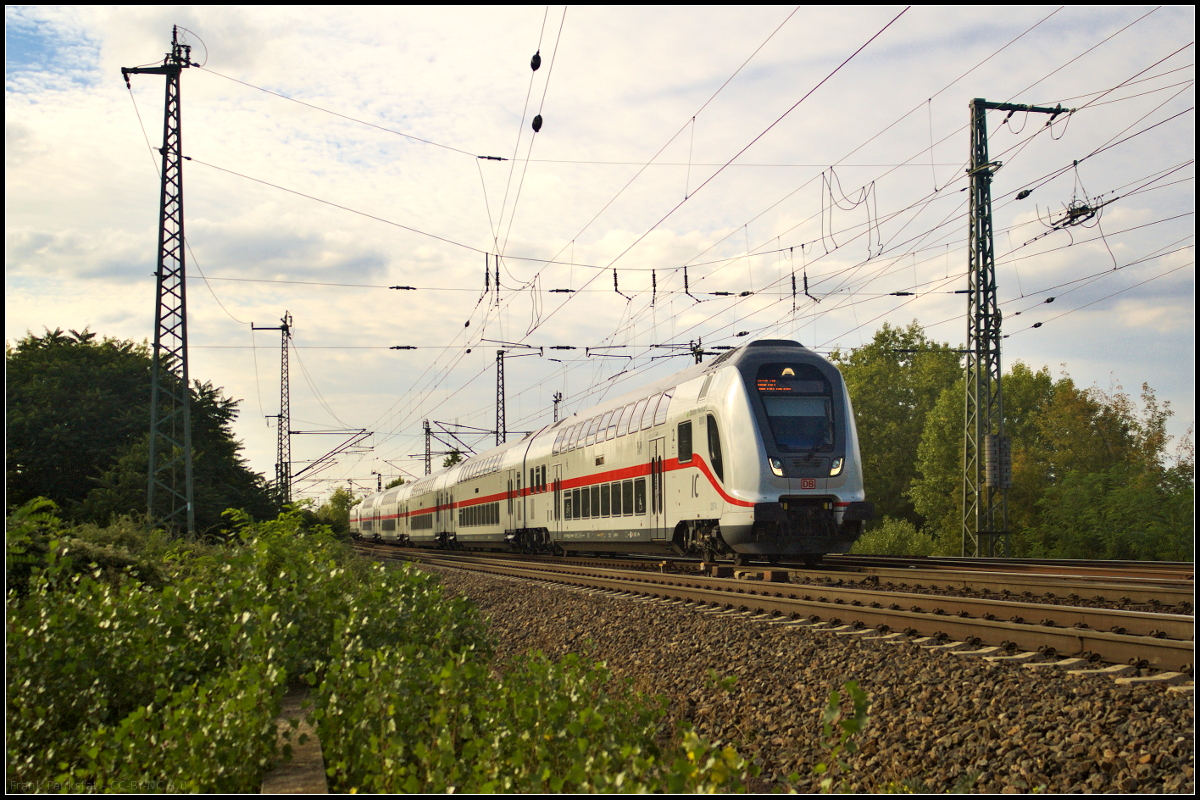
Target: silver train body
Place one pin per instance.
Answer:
(751, 455)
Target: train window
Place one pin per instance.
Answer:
(800, 423)
(648, 414)
(604, 497)
(558, 442)
(704, 387)
(639, 496)
(568, 506)
(660, 415)
(638, 410)
(613, 418)
(602, 435)
(714, 449)
(623, 425)
(627, 498)
(595, 501)
(592, 427)
(614, 425)
(797, 399)
(585, 503)
(685, 442)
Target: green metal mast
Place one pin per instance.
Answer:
(987, 463)
(170, 492)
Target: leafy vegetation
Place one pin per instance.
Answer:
(838, 732)
(896, 537)
(334, 513)
(894, 382)
(172, 684)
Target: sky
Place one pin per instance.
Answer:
(693, 165)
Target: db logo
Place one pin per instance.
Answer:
(808, 483)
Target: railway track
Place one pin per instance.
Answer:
(1163, 641)
(1026, 580)
(1154, 571)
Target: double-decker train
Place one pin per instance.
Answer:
(753, 455)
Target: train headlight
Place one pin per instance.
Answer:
(836, 468)
(776, 466)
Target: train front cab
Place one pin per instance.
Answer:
(804, 455)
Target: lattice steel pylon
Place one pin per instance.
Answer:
(283, 458)
(283, 449)
(170, 493)
(987, 466)
(501, 434)
(428, 454)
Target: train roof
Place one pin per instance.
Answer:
(759, 350)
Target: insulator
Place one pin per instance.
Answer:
(536, 61)
(1049, 299)
(1021, 195)
(537, 123)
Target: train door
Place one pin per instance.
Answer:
(509, 505)
(658, 528)
(556, 513)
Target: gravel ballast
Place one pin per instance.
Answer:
(937, 721)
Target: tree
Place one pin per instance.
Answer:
(452, 459)
(335, 512)
(1091, 477)
(936, 491)
(74, 406)
(894, 382)
(78, 424)
(394, 483)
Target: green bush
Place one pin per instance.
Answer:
(399, 720)
(895, 537)
(118, 684)
(113, 681)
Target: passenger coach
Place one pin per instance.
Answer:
(752, 455)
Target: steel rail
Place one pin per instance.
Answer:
(1147, 570)
(1035, 585)
(761, 597)
(1134, 590)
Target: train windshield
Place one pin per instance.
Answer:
(797, 399)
